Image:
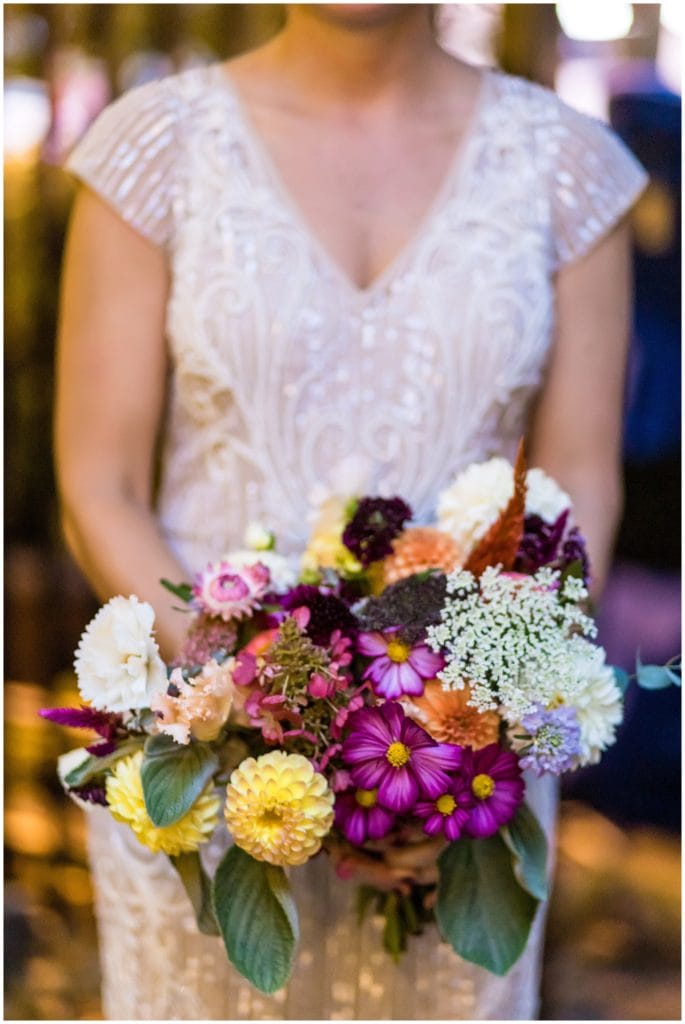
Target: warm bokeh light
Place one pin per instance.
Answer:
(595, 22)
(27, 115)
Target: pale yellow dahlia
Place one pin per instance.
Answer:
(278, 809)
(126, 803)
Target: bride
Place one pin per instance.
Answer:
(342, 243)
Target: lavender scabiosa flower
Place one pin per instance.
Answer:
(373, 528)
(552, 740)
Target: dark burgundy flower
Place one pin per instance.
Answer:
(328, 613)
(551, 544)
(93, 792)
(574, 550)
(540, 543)
(374, 526)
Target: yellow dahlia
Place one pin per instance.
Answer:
(448, 717)
(420, 548)
(126, 803)
(278, 809)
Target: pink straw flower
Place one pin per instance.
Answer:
(228, 592)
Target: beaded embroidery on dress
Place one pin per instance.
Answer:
(282, 369)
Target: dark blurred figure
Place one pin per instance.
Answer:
(639, 779)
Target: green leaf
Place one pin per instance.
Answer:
(621, 678)
(674, 674)
(394, 934)
(173, 776)
(653, 677)
(366, 894)
(199, 890)
(257, 917)
(182, 590)
(409, 914)
(482, 911)
(94, 766)
(528, 843)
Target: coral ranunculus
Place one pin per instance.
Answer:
(448, 717)
(127, 804)
(200, 707)
(278, 809)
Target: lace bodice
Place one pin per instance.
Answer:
(281, 367)
(280, 370)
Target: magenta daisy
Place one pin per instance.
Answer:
(449, 813)
(494, 776)
(228, 592)
(359, 816)
(391, 753)
(397, 668)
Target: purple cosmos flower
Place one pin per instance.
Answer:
(373, 528)
(554, 740)
(359, 816)
(494, 775)
(574, 550)
(449, 813)
(391, 753)
(397, 668)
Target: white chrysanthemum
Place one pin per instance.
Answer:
(117, 661)
(468, 508)
(544, 496)
(598, 702)
(283, 576)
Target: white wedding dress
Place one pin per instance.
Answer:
(282, 368)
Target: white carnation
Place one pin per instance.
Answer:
(468, 508)
(283, 575)
(117, 662)
(544, 496)
(598, 703)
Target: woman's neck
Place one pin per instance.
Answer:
(387, 55)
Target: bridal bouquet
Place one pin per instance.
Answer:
(389, 698)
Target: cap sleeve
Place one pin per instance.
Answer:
(128, 157)
(595, 181)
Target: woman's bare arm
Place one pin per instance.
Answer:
(576, 428)
(111, 368)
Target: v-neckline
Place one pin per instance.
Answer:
(455, 173)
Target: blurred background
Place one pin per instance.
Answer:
(613, 949)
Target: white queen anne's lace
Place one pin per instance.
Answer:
(511, 639)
